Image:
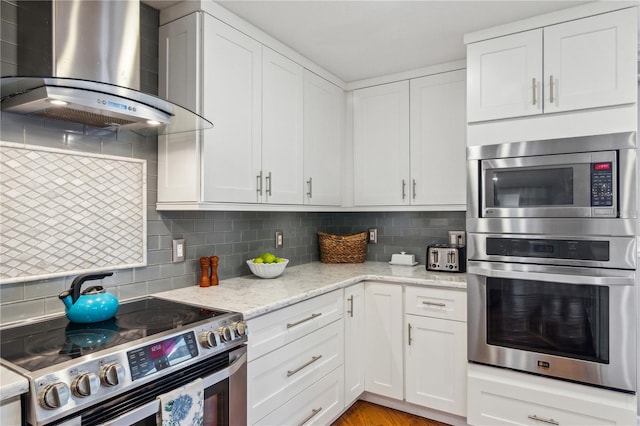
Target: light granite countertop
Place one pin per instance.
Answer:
(253, 296)
(11, 384)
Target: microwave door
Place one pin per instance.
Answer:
(543, 186)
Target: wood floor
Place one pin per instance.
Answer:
(364, 413)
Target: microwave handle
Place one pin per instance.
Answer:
(151, 408)
(560, 274)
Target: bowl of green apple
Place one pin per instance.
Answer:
(267, 265)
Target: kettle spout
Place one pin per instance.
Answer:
(66, 298)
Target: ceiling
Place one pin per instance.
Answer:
(355, 40)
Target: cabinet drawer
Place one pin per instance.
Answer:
(276, 329)
(317, 405)
(436, 302)
(501, 397)
(282, 374)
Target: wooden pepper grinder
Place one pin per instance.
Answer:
(204, 276)
(214, 270)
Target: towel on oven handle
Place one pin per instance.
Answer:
(183, 406)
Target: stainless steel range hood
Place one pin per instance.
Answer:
(86, 56)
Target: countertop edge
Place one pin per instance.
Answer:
(283, 303)
(11, 384)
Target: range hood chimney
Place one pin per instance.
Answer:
(82, 62)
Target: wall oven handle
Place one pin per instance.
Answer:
(561, 274)
(310, 416)
(540, 419)
(151, 408)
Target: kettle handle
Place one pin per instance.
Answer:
(80, 279)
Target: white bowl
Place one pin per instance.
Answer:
(267, 270)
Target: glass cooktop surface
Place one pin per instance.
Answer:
(46, 343)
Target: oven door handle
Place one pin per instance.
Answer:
(153, 407)
(560, 274)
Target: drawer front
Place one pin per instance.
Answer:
(498, 397)
(282, 374)
(278, 328)
(436, 302)
(319, 404)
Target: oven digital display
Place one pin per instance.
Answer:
(160, 355)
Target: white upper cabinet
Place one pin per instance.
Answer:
(504, 77)
(179, 82)
(438, 139)
(381, 145)
(232, 90)
(410, 142)
(324, 114)
(281, 129)
(591, 62)
(574, 65)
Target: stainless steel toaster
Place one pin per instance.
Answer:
(446, 258)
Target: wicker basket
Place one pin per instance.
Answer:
(342, 248)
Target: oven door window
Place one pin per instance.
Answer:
(530, 187)
(553, 318)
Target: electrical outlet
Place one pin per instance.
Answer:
(178, 254)
(373, 236)
(457, 238)
(279, 239)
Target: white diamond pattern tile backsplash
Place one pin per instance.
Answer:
(64, 212)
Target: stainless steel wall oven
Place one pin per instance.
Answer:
(552, 258)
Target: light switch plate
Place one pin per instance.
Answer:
(178, 252)
(279, 239)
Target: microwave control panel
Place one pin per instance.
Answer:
(602, 184)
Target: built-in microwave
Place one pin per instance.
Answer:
(585, 177)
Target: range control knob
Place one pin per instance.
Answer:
(85, 385)
(241, 328)
(208, 339)
(225, 333)
(112, 374)
(54, 396)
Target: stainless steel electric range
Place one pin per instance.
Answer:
(112, 372)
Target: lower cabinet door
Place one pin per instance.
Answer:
(354, 351)
(436, 364)
(317, 405)
(383, 339)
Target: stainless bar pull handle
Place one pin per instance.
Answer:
(440, 304)
(293, 324)
(310, 416)
(413, 188)
(268, 179)
(540, 419)
(409, 333)
(309, 182)
(533, 89)
(306, 364)
(259, 183)
(551, 88)
(404, 192)
(350, 311)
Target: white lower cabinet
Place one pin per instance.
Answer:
(503, 397)
(383, 339)
(435, 364)
(294, 355)
(319, 404)
(354, 350)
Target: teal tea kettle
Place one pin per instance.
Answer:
(92, 305)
